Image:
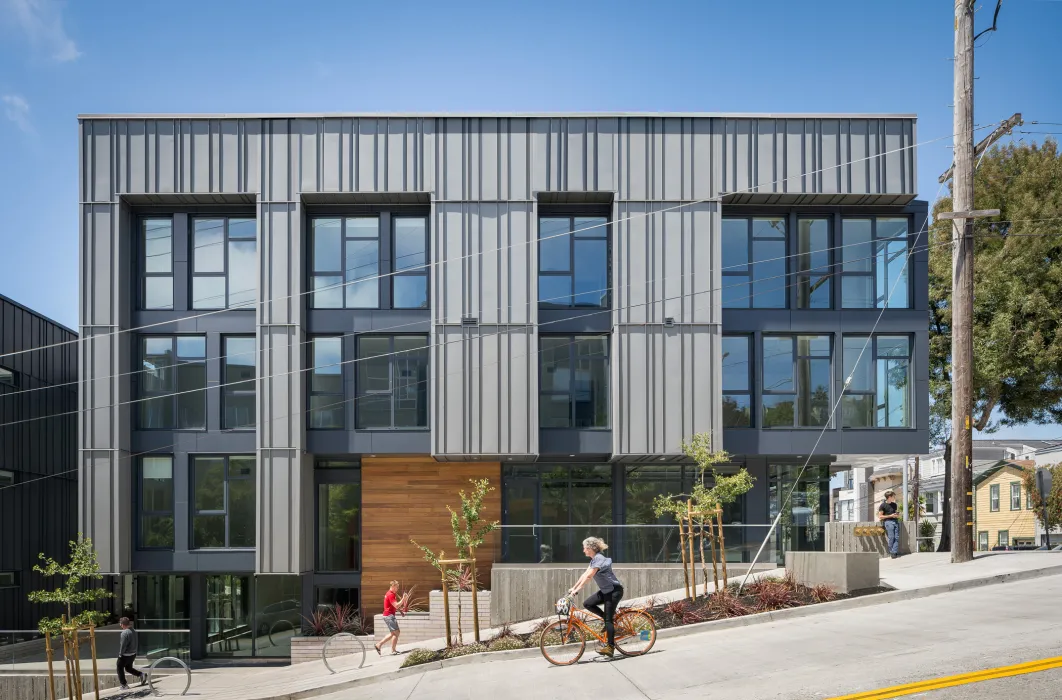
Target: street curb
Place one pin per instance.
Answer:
(895, 596)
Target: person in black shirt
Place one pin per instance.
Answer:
(888, 514)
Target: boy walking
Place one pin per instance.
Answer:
(389, 619)
(127, 654)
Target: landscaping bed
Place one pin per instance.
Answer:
(760, 596)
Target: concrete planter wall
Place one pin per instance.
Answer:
(417, 627)
(846, 537)
(844, 572)
(305, 649)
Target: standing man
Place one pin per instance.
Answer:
(389, 619)
(127, 654)
(888, 514)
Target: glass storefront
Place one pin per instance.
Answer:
(228, 618)
(802, 526)
(252, 616)
(277, 614)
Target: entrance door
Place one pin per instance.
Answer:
(520, 543)
(806, 501)
(229, 631)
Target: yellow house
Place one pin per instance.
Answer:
(1002, 510)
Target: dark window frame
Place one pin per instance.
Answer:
(823, 275)
(226, 239)
(993, 498)
(606, 236)
(392, 391)
(143, 396)
(142, 257)
(227, 511)
(875, 357)
(327, 476)
(228, 389)
(796, 392)
(874, 243)
(573, 338)
(423, 270)
(1015, 494)
(1002, 541)
(311, 412)
(982, 541)
(341, 272)
(142, 511)
(8, 377)
(749, 273)
(750, 379)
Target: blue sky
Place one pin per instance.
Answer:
(61, 59)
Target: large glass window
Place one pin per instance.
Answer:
(754, 269)
(224, 263)
(223, 502)
(339, 527)
(238, 373)
(346, 263)
(173, 382)
(156, 502)
(874, 263)
(326, 384)
(802, 495)
(409, 284)
(228, 616)
(156, 237)
(879, 395)
(796, 381)
(277, 614)
(573, 262)
(737, 381)
(573, 390)
(813, 264)
(392, 382)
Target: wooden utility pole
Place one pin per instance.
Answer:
(917, 506)
(962, 277)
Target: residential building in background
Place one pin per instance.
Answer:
(330, 323)
(38, 455)
(1003, 514)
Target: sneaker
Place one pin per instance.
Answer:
(606, 650)
(123, 686)
(143, 679)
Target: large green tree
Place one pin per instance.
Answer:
(1017, 321)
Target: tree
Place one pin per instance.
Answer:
(1054, 498)
(1017, 320)
(469, 531)
(82, 566)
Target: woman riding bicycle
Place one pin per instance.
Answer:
(610, 593)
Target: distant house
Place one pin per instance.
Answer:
(1003, 515)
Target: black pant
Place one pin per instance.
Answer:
(125, 663)
(611, 601)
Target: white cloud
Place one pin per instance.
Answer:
(42, 23)
(17, 110)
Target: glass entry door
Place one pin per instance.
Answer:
(802, 527)
(229, 631)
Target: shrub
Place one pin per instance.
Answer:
(726, 603)
(506, 643)
(464, 650)
(316, 625)
(419, 656)
(345, 618)
(677, 608)
(536, 632)
(506, 630)
(775, 596)
(822, 593)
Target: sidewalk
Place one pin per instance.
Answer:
(909, 573)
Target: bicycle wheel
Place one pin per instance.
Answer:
(562, 643)
(635, 632)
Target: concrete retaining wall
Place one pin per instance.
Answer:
(32, 686)
(305, 649)
(417, 627)
(844, 572)
(842, 537)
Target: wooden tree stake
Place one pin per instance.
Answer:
(51, 670)
(722, 544)
(95, 666)
(682, 552)
(475, 596)
(693, 571)
(715, 563)
(446, 599)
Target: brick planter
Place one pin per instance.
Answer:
(305, 649)
(417, 627)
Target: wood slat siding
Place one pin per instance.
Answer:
(1018, 523)
(404, 497)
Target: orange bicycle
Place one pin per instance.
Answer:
(564, 641)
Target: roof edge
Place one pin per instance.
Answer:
(39, 315)
(490, 115)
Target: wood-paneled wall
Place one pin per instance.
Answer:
(404, 497)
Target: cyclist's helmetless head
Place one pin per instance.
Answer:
(594, 545)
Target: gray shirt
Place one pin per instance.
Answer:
(604, 578)
(127, 645)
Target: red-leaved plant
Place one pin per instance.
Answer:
(407, 603)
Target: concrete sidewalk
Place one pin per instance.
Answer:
(928, 572)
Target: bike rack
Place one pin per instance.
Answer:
(324, 650)
(274, 627)
(156, 662)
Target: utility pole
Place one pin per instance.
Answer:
(962, 261)
(917, 504)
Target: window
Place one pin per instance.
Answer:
(796, 381)
(1004, 538)
(224, 502)
(843, 511)
(573, 376)
(8, 377)
(238, 373)
(173, 383)
(345, 251)
(813, 264)
(1015, 495)
(993, 497)
(754, 269)
(392, 382)
(409, 284)
(1028, 500)
(879, 395)
(339, 527)
(874, 264)
(156, 236)
(737, 382)
(573, 262)
(156, 502)
(982, 541)
(931, 502)
(224, 263)
(326, 385)
(8, 579)
(7, 478)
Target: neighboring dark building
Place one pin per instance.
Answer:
(38, 456)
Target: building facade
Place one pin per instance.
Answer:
(38, 455)
(329, 324)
